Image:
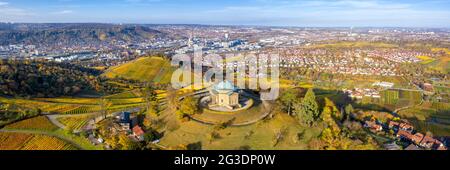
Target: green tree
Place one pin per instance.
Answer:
(287, 100)
(302, 116)
(307, 110)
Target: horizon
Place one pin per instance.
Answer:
(286, 13)
(222, 25)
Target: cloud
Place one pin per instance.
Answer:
(8, 12)
(3, 3)
(63, 12)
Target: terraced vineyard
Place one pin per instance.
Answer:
(125, 95)
(37, 123)
(153, 69)
(22, 141)
(83, 109)
(75, 123)
(84, 101)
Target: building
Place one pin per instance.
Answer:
(373, 126)
(416, 138)
(125, 121)
(138, 133)
(224, 95)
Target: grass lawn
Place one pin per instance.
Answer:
(260, 135)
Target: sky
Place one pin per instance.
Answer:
(320, 13)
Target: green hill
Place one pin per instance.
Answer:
(154, 69)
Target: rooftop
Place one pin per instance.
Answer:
(225, 85)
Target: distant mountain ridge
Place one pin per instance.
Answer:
(73, 33)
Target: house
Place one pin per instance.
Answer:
(427, 87)
(373, 126)
(124, 117)
(427, 142)
(125, 121)
(438, 145)
(417, 138)
(406, 127)
(393, 125)
(405, 135)
(138, 133)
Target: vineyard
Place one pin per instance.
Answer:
(83, 101)
(74, 123)
(125, 95)
(153, 69)
(22, 141)
(394, 98)
(36, 123)
(430, 115)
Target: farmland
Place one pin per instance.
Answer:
(152, 69)
(36, 123)
(24, 141)
(74, 122)
(430, 116)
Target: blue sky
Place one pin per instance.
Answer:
(405, 13)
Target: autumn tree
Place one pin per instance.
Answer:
(188, 106)
(150, 98)
(126, 143)
(348, 110)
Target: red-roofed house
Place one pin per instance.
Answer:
(427, 142)
(404, 135)
(406, 127)
(417, 138)
(138, 133)
(393, 124)
(373, 126)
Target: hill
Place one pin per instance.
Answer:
(153, 69)
(38, 78)
(73, 33)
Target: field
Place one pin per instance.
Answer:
(23, 141)
(153, 69)
(425, 59)
(76, 122)
(433, 117)
(394, 99)
(441, 64)
(65, 105)
(36, 123)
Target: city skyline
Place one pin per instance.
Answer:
(320, 13)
